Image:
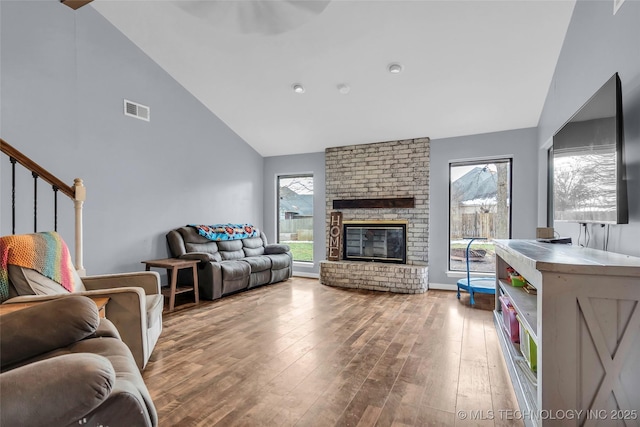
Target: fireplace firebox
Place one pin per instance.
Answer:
(375, 241)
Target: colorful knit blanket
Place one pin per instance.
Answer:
(44, 252)
(219, 232)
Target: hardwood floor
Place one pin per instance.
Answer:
(304, 354)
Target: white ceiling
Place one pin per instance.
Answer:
(470, 67)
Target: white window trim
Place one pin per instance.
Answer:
(278, 176)
(461, 274)
(481, 159)
(305, 264)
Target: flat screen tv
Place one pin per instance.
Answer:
(588, 170)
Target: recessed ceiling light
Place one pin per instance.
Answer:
(298, 88)
(395, 68)
(343, 88)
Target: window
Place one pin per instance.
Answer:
(550, 187)
(295, 215)
(479, 206)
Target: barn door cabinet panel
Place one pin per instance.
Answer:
(585, 321)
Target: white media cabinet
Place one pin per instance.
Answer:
(585, 320)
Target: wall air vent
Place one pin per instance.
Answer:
(139, 111)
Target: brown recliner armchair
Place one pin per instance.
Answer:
(135, 301)
(61, 365)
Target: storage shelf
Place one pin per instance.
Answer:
(526, 306)
(525, 384)
(586, 295)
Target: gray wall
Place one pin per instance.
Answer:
(597, 45)
(290, 165)
(517, 144)
(64, 75)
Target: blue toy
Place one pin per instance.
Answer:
(482, 285)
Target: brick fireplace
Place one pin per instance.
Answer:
(385, 182)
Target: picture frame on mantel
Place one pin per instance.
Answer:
(335, 235)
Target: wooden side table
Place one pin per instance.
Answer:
(172, 265)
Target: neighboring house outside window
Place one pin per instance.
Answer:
(295, 215)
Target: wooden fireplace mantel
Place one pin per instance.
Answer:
(388, 203)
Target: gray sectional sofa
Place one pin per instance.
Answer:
(230, 266)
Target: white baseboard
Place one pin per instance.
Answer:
(443, 286)
(309, 275)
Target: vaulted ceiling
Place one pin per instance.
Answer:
(468, 67)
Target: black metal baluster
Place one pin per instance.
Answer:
(35, 201)
(55, 207)
(13, 194)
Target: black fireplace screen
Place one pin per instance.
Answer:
(375, 242)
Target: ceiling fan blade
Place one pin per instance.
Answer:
(267, 17)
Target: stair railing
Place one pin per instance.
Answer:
(76, 192)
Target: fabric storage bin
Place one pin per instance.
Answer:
(517, 280)
(528, 347)
(509, 319)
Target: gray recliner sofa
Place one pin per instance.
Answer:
(63, 365)
(230, 266)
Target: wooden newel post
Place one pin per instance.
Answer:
(80, 195)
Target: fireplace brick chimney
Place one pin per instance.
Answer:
(383, 170)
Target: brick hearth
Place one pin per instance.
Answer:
(376, 276)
